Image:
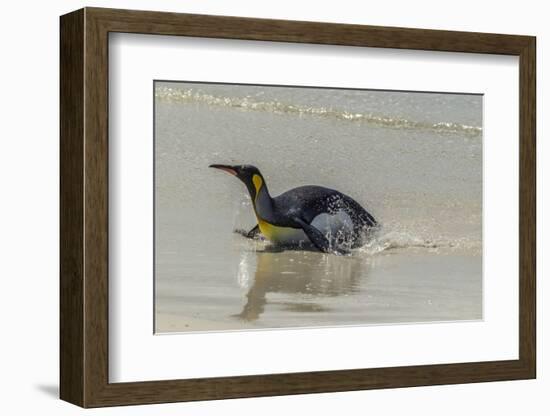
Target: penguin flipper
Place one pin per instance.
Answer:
(318, 238)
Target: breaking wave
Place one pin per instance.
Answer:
(250, 104)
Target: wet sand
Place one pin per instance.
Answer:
(412, 160)
(302, 289)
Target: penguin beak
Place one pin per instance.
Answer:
(229, 169)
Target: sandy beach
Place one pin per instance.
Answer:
(288, 289)
(413, 160)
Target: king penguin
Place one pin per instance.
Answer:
(331, 221)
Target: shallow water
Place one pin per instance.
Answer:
(413, 160)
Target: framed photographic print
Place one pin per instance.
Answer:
(255, 207)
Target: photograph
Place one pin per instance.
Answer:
(318, 209)
(280, 207)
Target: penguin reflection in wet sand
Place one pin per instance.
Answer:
(331, 221)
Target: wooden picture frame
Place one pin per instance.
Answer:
(84, 207)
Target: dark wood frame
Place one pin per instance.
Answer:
(84, 207)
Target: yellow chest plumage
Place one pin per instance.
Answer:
(280, 234)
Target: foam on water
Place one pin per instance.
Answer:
(182, 95)
(403, 240)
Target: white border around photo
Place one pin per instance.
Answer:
(135, 354)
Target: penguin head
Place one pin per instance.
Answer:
(248, 174)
